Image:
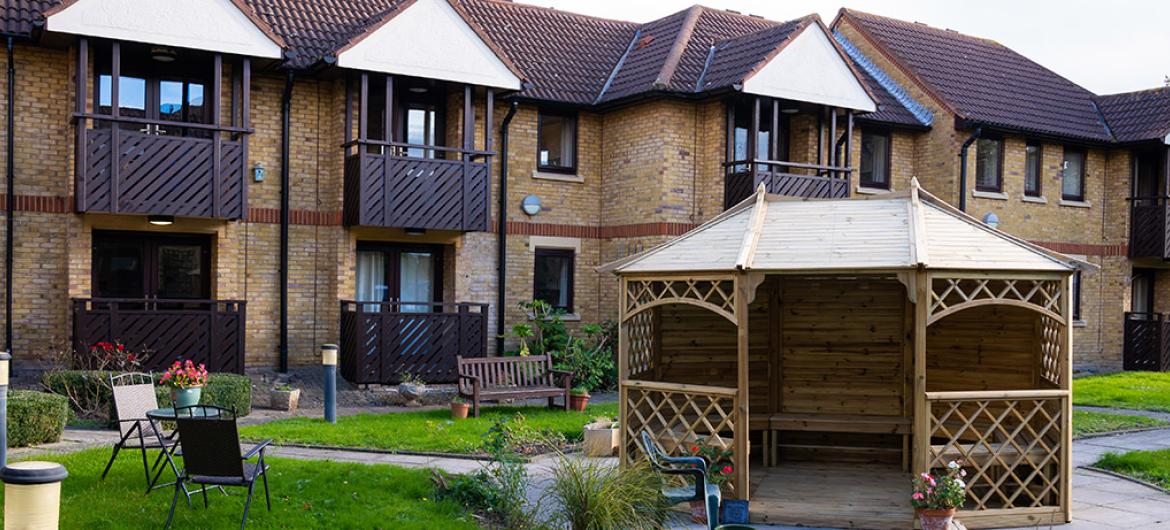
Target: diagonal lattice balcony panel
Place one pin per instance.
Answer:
(1011, 449)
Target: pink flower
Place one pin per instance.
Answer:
(726, 470)
(918, 496)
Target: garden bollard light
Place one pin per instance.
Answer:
(5, 358)
(32, 495)
(329, 362)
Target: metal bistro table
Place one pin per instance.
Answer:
(169, 414)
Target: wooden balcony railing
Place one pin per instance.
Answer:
(397, 188)
(136, 172)
(781, 178)
(380, 341)
(1149, 217)
(1147, 342)
(205, 331)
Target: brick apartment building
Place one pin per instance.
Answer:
(240, 181)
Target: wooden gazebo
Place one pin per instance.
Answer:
(837, 345)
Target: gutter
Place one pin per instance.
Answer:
(963, 168)
(502, 229)
(286, 118)
(10, 198)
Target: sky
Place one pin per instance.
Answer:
(1106, 46)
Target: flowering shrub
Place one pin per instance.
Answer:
(719, 465)
(941, 492)
(184, 375)
(113, 356)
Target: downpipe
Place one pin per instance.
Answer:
(502, 229)
(963, 168)
(286, 118)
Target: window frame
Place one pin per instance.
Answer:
(1039, 191)
(1084, 172)
(889, 159)
(392, 274)
(1076, 296)
(998, 165)
(558, 252)
(563, 114)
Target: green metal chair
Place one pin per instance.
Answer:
(692, 466)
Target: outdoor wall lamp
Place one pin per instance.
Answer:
(258, 172)
(414, 231)
(163, 54)
(991, 220)
(531, 205)
(160, 220)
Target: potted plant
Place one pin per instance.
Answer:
(601, 437)
(411, 387)
(578, 398)
(720, 471)
(186, 381)
(936, 497)
(284, 397)
(459, 408)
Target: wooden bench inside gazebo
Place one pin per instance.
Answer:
(836, 346)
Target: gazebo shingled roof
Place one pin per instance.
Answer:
(896, 231)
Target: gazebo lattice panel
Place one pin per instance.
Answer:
(718, 295)
(640, 337)
(1051, 363)
(949, 295)
(1011, 449)
(678, 416)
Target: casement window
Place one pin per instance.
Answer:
(989, 165)
(1033, 173)
(556, 142)
(875, 160)
(388, 272)
(133, 265)
(553, 277)
(1072, 180)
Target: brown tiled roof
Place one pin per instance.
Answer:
(984, 81)
(889, 109)
(1138, 116)
(734, 59)
(19, 16)
(565, 56)
(316, 28)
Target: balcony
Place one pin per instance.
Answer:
(205, 331)
(394, 187)
(1149, 217)
(1147, 342)
(782, 178)
(382, 340)
(134, 172)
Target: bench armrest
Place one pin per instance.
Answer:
(566, 377)
(473, 378)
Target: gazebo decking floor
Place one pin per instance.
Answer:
(831, 495)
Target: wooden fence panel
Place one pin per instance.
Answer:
(381, 341)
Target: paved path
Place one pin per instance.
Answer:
(1131, 412)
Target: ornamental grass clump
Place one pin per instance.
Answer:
(593, 495)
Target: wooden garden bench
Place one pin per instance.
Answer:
(496, 378)
(846, 423)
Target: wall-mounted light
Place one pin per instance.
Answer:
(160, 220)
(414, 231)
(991, 220)
(531, 205)
(792, 110)
(258, 172)
(418, 89)
(163, 54)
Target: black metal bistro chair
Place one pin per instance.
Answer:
(133, 397)
(693, 466)
(210, 443)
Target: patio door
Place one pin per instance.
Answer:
(140, 266)
(1142, 300)
(411, 274)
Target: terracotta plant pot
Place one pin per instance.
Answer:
(698, 512)
(935, 519)
(285, 400)
(578, 403)
(459, 410)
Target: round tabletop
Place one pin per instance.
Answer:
(168, 413)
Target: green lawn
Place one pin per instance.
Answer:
(421, 431)
(1150, 466)
(1129, 390)
(1092, 422)
(305, 494)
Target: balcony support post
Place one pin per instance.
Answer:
(363, 135)
(754, 138)
(820, 137)
(388, 126)
(774, 136)
(116, 127)
(849, 149)
(245, 90)
(832, 141)
(468, 145)
(81, 96)
(216, 144)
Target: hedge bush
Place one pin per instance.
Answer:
(35, 417)
(89, 394)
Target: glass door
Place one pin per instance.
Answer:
(137, 266)
(1142, 301)
(409, 274)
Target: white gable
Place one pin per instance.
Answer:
(429, 39)
(810, 69)
(213, 25)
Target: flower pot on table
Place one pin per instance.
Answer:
(186, 397)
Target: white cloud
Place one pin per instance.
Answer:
(1108, 47)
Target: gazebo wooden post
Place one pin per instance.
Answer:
(743, 285)
(921, 425)
(623, 371)
(1066, 374)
